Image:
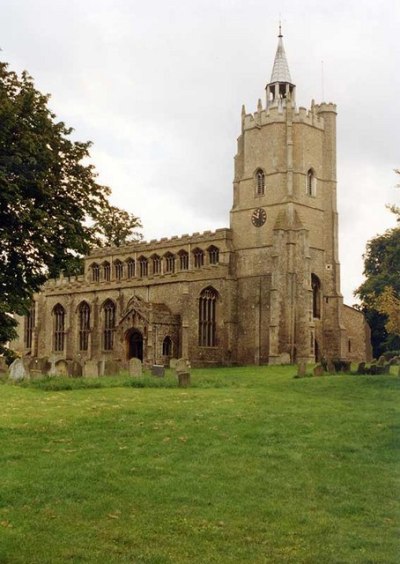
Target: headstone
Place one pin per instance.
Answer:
(172, 363)
(330, 367)
(112, 368)
(35, 374)
(361, 368)
(52, 370)
(135, 367)
(75, 369)
(301, 369)
(318, 370)
(42, 364)
(61, 368)
(101, 366)
(182, 370)
(158, 370)
(91, 369)
(381, 360)
(386, 368)
(184, 379)
(18, 371)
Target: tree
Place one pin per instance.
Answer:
(381, 288)
(388, 304)
(116, 227)
(49, 197)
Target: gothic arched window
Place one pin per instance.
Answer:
(213, 255)
(58, 328)
(183, 260)
(29, 325)
(119, 269)
(109, 325)
(95, 272)
(169, 262)
(156, 264)
(130, 265)
(260, 182)
(207, 317)
(316, 290)
(167, 346)
(198, 256)
(311, 183)
(143, 266)
(106, 271)
(84, 325)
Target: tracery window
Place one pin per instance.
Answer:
(167, 346)
(143, 266)
(95, 272)
(316, 289)
(119, 269)
(28, 327)
(169, 262)
(156, 264)
(260, 182)
(213, 254)
(198, 256)
(130, 265)
(84, 326)
(106, 271)
(183, 260)
(109, 325)
(207, 317)
(58, 328)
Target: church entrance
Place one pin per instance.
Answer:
(135, 345)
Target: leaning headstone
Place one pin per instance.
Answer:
(172, 363)
(158, 370)
(301, 369)
(361, 368)
(91, 369)
(112, 368)
(318, 370)
(182, 370)
(330, 366)
(18, 371)
(135, 367)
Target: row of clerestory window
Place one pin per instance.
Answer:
(155, 264)
(311, 182)
(207, 324)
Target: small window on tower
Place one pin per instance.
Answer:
(311, 183)
(260, 182)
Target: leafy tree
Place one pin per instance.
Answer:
(49, 197)
(382, 271)
(116, 227)
(388, 304)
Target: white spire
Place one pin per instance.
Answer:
(280, 70)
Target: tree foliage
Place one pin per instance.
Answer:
(116, 227)
(388, 304)
(49, 197)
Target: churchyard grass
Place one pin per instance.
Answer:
(247, 465)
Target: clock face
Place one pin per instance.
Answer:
(258, 217)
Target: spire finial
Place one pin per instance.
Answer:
(280, 28)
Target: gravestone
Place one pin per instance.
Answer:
(318, 370)
(361, 368)
(52, 370)
(61, 368)
(18, 371)
(42, 364)
(330, 367)
(182, 370)
(172, 363)
(381, 360)
(112, 368)
(91, 369)
(101, 366)
(158, 370)
(301, 369)
(135, 367)
(35, 374)
(75, 369)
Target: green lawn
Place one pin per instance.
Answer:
(248, 465)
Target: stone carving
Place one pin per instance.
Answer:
(18, 371)
(135, 367)
(158, 370)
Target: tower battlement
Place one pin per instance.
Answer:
(276, 114)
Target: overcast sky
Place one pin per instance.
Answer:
(158, 87)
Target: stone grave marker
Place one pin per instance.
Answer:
(112, 368)
(182, 370)
(135, 367)
(91, 369)
(41, 363)
(330, 367)
(172, 363)
(361, 368)
(318, 370)
(52, 370)
(158, 370)
(18, 371)
(301, 369)
(75, 369)
(61, 368)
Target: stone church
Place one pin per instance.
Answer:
(264, 290)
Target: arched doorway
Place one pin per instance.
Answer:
(135, 345)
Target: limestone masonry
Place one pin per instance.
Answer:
(265, 290)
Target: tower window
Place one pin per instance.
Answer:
(119, 269)
(95, 272)
(311, 183)
(106, 271)
(170, 262)
(260, 182)
(207, 317)
(109, 325)
(156, 264)
(59, 325)
(316, 290)
(130, 265)
(84, 326)
(143, 266)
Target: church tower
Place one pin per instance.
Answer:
(285, 228)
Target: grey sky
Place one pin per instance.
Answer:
(158, 87)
